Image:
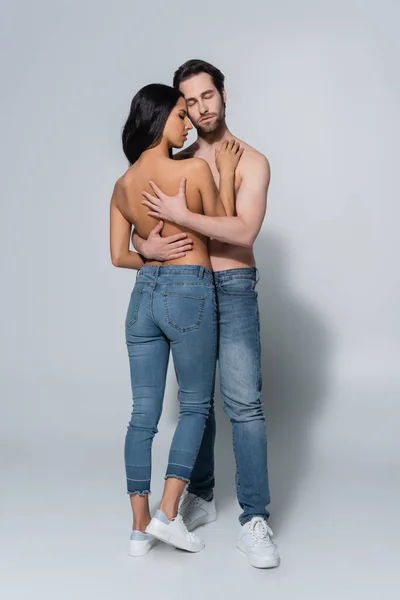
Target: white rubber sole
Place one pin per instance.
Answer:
(259, 562)
(200, 521)
(137, 549)
(162, 532)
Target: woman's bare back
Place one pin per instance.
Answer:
(167, 175)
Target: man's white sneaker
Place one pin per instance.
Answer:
(255, 540)
(196, 511)
(174, 533)
(140, 543)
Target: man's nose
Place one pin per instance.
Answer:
(203, 108)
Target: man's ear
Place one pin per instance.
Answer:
(224, 96)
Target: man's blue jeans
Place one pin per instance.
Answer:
(240, 377)
(170, 308)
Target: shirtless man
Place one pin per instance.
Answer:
(232, 258)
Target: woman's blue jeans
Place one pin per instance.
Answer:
(171, 308)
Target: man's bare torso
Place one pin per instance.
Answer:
(224, 256)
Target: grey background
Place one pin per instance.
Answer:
(315, 87)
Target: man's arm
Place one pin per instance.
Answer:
(251, 204)
(120, 233)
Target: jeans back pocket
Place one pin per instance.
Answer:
(184, 311)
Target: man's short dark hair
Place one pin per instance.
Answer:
(195, 67)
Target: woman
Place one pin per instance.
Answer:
(172, 307)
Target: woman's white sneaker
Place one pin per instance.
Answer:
(140, 543)
(174, 533)
(255, 540)
(196, 511)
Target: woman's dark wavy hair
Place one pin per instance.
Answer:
(150, 109)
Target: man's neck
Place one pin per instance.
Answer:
(206, 142)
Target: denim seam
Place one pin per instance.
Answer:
(248, 294)
(259, 349)
(234, 277)
(169, 294)
(151, 315)
(134, 317)
(237, 465)
(188, 284)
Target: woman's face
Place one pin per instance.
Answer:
(177, 125)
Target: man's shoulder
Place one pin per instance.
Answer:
(252, 157)
(253, 166)
(253, 163)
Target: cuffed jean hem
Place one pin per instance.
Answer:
(180, 477)
(179, 470)
(140, 487)
(246, 518)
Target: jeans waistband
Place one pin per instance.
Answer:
(241, 273)
(181, 271)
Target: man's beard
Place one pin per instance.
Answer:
(213, 125)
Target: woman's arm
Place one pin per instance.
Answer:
(220, 204)
(227, 159)
(120, 233)
(202, 178)
(214, 204)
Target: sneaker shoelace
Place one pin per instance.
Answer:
(189, 502)
(261, 532)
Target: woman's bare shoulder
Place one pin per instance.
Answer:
(193, 166)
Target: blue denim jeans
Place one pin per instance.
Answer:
(239, 358)
(171, 308)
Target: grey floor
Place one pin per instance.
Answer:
(65, 518)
